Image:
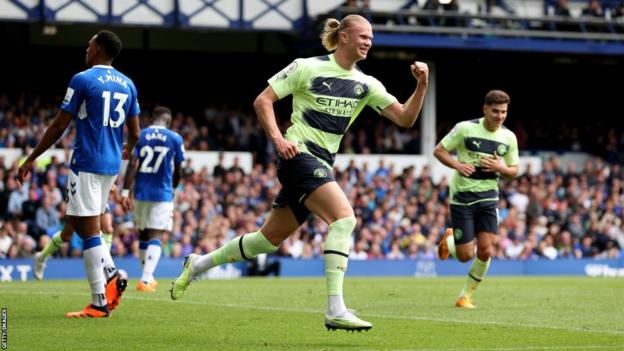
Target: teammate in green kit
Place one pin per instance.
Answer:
(482, 145)
(328, 94)
(64, 235)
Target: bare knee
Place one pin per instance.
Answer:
(280, 224)
(329, 203)
(86, 226)
(67, 232)
(484, 252)
(107, 228)
(276, 232)
(464, 256)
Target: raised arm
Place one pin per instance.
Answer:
(266, 115)
(406, 114)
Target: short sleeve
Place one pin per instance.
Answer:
(512, 157)
(179, 155)
(379, 97)
(134, 110)
(75, 94)
(288, 80)
(454, 138)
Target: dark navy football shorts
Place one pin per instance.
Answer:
(470, 220)
(300, 176)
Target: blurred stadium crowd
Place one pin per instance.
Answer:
(558, 213)
(23, 119)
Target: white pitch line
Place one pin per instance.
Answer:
(437, 320)
(303, 310)
(526, 348)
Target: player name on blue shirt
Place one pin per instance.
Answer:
(159, 149)
(100, 99)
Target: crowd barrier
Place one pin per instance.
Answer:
(22, 269)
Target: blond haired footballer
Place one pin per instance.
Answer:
(329, 92)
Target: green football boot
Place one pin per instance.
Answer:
(184, 279)
(347, 321)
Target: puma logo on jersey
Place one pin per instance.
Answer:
(477, 143)
(328, 85)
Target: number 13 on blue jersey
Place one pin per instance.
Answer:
(120, 99)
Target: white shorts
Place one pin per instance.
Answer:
(154, 215)
(87, 193)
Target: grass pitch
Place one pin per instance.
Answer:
(514, 313)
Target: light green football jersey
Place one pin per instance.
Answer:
(326, 101)
(472, 141)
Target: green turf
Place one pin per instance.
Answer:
(287, 314)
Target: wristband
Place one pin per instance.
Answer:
(125, 192)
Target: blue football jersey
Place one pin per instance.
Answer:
(159, 149)
(100, 99)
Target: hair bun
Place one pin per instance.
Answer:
(333, 23)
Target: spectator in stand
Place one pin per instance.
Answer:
(47, 217)
(219, 169)
(17, 197)
(362, 4)
(584, 249)
(401, 207)
(359, 252)
(5, 240)
(618, 12)
(593, 9)
(29, 211)
(5, 193)
(560, 8)
(568, 194)
(444, 5)
(263, 265)
(547, 248)
(395, 251)
(564, 245)
(490, 5)
(236, 167)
